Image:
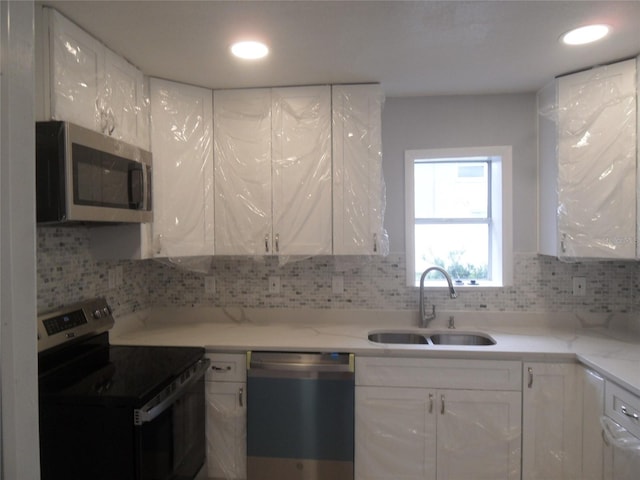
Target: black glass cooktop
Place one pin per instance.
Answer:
(126, 376)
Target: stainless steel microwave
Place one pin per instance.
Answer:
(85, 176)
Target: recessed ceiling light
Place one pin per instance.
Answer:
(586, 34)
(249, 50)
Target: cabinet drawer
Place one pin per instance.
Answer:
(227, 367)
(439, 373)
(623, 407)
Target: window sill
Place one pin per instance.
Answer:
(466, 286)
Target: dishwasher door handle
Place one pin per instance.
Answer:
(302, 363)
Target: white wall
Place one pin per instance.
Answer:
(18, 358)
(463, 121)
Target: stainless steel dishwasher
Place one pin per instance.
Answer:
(300, 416)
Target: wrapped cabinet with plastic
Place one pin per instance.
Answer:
(88, 84)
(430, 418)
(358, 185)
(226, 431)
(273, 171)
(622, 451)
(596, 139)
(181, 136)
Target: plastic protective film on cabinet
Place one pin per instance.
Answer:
(93, 87)
(359, 195)
(181, 134)
(226, 438)
(596, 122)
(273, 171)
(625, 457)
(430, 440)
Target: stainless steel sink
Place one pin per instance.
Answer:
(432, 338)
(398, 338)
(461, 339)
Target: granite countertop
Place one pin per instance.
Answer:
(602, 342)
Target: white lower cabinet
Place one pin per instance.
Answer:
(592, 438)
(226, 400)
(552, 422)
(416, 433)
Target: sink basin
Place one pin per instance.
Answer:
(432, 338)
(461, 339)
(398, 337)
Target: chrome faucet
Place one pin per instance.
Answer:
(424, 318)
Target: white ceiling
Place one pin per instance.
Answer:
(412, 48)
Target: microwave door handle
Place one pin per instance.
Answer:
(136, 188)
(146, 187)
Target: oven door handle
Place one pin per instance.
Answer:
(169, 395)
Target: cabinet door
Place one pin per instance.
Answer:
(301, 156)
(181, 141)
(395, 434)
(478, 435)
(358, 188)
(597, 162)
(592, 410)
(242, 143)
(552, 422)
(226, 430)
(125, 103)
(76, 73)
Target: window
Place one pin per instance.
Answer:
(458, 214)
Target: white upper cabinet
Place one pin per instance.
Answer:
(242, 144)
(181, 141)
(358, 186)
(76, 72)
(589, 168)
(301, 174)
(125, 101)
(83, 82)
(273, 171)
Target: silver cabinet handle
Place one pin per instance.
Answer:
(220, 369)
(375, 243)
(530, 384)
(240, 395)
(630, 415)
(266, 243)
(431, 403)
(441, 404)
(277, 243)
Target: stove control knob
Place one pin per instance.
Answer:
(105, 311)
(97, 314)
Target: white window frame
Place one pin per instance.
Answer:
(501, 201)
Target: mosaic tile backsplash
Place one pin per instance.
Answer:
(68, 273)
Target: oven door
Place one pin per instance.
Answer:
(170, 436)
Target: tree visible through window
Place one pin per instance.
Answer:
(452, 202)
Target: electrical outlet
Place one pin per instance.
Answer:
(274, 284)
(115, 277)
(112, 278)
(579, 286)
(337, 284)
(209, 285)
